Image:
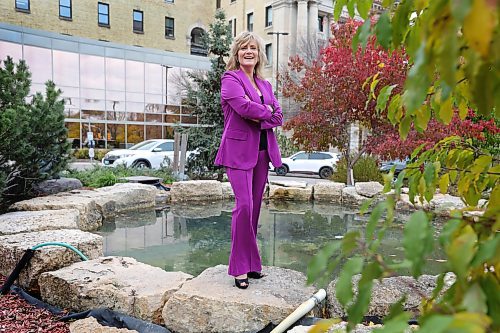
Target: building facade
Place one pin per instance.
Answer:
(118, 63)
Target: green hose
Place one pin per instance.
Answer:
(66, 245)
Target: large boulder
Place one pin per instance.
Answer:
(290, 193)
(368, 189)
(30, 221)
(386, 293)
(90, 215)
(196, 190)
(227, 191)
(118, 283)
(47, 258)
(350, 197)
(129, 196)
(211, 302)
(53, 186)
(328, 192)
(90, 325)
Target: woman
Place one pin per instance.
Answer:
(248, 145)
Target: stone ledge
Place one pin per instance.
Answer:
(32, 221)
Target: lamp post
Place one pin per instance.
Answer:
(166, 82)
(277, 53)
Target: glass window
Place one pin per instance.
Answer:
(115, 74)
(135, 133)
(153, 118)
(250, 21)
(116, 116)
(320, 23)
(66, 71)
(23, 5)
(135, 116)
(167, 146)
(116, 135)
(154, 79)
(269, 16)
(103, 14)
(92, 71)
(15, 51)
(138, 17)
(39, 61)
(65, 8)
(169, 1)
(153, 132)
(269, 53)
(197, 45)
(135, 76)
(169, 27)
(232, 24)
(217, 4)
(301, 156)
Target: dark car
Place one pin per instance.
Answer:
(386, 166)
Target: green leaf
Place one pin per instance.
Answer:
(487, 251)
(349, 242)
(383, 97)
(320, 260)
(404, 127)
(444, 182)
(446, 111)
(460, 9)
(400, 21)
(350, 7)
(494, 203)
(395, 112)
(491, 288)
(461, 251)
(481, 164)
(417, 241)
(324, 325)
(423, 115)
(475, 299)
(483, 89)
(343, 286)
(364, 33)
(338, 8)
(383, 30)
(435, 324)
(417, 82)
(479, 25)
(364, 8)
(373, 221)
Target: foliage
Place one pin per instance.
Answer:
(83, 153)
(33, 145)
(332, 92)
(204, 97)
(366, 169)
(453, 54)
(100, 176)
(287, 148)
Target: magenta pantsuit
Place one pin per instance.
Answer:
(246, 166)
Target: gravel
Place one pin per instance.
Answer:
(18, 316)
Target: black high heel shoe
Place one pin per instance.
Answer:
(256, 275)
(241, 283)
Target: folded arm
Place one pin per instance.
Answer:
(232, 91)
(276, 116)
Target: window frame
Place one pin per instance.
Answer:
(321, 23)
(232, 23)
(169, 1)
(70, 7)
(167, 18)
(20, 9)
(137, 31)
(270, 47)
(269, 17)
(250, 24)
(106, 5)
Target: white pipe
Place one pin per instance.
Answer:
(301, 311)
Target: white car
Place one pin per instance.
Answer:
(319, 163)
(147, 154)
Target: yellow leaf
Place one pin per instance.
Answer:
(446, 111)
(479, 25)
(324, 325)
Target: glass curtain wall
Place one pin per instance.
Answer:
(121, 101)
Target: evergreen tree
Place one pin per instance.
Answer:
(204, 96)
(33, 145)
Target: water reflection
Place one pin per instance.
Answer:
(190, 238)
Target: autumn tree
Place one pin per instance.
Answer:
(453, 53)
(203, 95)
(332, 94)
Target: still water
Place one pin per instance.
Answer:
(191, 238)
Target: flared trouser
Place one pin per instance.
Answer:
(248, 187)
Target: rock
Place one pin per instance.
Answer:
(162, 197)
(201, 209)
(118, 283)
(227, 191)
(196, 190)
(31, 221)
(444, 204)
(46, 258)
(129, 196)
(90, 216)
(369, 189)
(290, 193)
(90, 325)
(385, 293)
(211, 302)
(328, 192)
(289, 183)
(53, 186)
(351, 198)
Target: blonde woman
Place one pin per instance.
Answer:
(248, 144)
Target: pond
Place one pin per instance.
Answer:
(191, 238)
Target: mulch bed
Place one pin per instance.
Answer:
(18, 316)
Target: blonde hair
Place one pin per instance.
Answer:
(242, 39)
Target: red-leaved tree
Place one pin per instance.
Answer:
(331, 92)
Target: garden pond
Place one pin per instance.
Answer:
(191, 238)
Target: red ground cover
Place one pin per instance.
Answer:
(18, 316)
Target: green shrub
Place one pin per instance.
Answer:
(366, 169)
(100, 176)
(83, 154)
(286, 145)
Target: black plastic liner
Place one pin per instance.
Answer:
(103, 316)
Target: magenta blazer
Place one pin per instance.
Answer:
(240, 102)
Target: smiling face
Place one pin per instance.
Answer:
(248, 55)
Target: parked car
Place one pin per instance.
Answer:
(386, 166)
(146, 154)
(319, 163)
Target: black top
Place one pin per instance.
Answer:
(263, 133)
